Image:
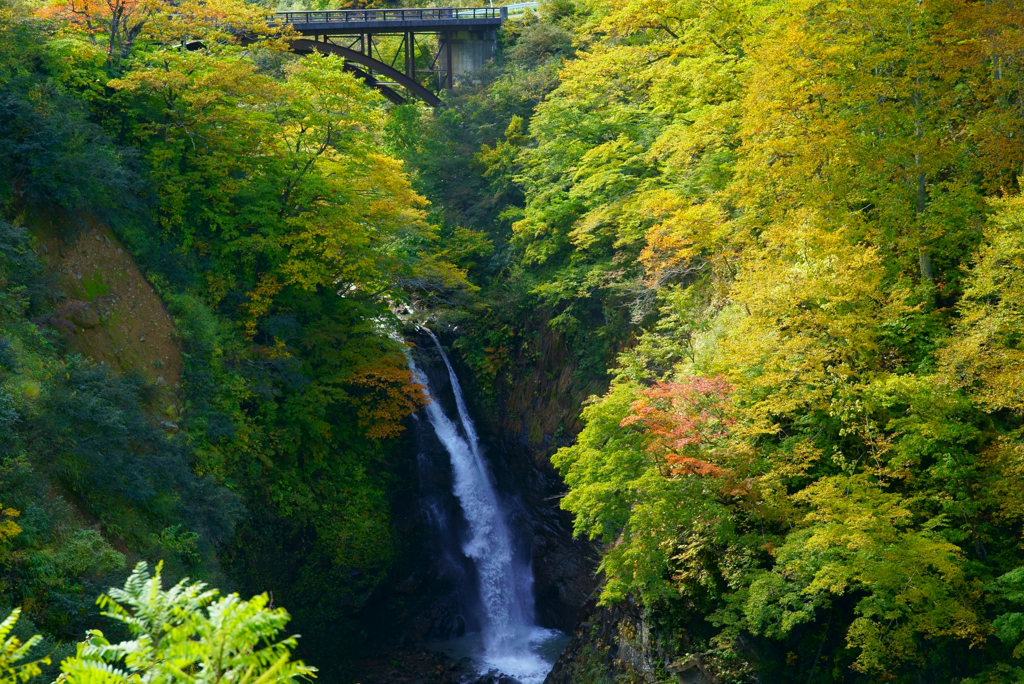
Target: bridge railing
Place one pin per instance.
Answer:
(519, 8)
(389, 15)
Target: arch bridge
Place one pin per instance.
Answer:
(404, 53)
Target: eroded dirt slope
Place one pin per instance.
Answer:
(111, 314)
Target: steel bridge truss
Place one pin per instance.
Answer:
(395, 67)
(404, 53)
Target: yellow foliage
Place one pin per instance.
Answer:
(986, 356)
(8, 528)
(688, 237)
(389, 395)
(812, 301)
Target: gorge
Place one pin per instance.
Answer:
(615, 342)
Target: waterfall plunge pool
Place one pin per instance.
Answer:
(528, 660)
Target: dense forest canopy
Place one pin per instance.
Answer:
(790, 230)
(810, 208)
(778, 243)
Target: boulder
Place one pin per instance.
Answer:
(495, 677)
(82, 314)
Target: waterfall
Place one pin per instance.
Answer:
(510, 637)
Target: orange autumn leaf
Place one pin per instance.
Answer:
(387, 395)
(685, 421)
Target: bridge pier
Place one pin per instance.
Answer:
(449, 77)
(471, 50)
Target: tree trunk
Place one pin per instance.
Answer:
(924, 253)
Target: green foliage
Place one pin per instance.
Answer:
(74, 431)
(186, 634)
(251, 187)
(789, 231)
(817, 205)
(984, 357)
(1009, 627)
(13, 653)
(51, 153)
(860, 540)
(97, 441)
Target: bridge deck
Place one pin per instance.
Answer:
(398, 20)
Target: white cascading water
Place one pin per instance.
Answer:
(510, 639)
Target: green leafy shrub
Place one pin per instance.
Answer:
(93, 434)
(188, 633)
(14, 669)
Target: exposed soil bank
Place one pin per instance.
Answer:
(111, 314)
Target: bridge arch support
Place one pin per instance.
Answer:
(458, 41)
(306, 46)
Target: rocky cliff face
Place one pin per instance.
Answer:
(609, 645)
(535, 402)
(620, 644)
(110, 312)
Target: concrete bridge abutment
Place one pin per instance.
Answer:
(471, 50)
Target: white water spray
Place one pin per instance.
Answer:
(510, 639)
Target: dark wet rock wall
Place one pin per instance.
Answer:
(431, 593)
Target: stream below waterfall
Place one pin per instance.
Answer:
(508, 640)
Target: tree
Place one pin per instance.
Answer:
(180, 25)
(859, 541)
(801, 214)
(985, 357)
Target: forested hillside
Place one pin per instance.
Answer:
(745, 273)
(251, 188)
(791, 231)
